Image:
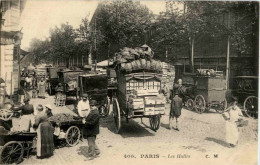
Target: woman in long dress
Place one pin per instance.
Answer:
(41, 88)
(45, 144)
(232, 115)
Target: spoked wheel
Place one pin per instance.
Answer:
(116, 115)
(12, 152)
(155, 122)
(251, 106)
(222, 106)
(200, 104)
(190, 104)
(72, 136)
(104, 109)
(6, 114)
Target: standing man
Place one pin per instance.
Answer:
(175, 111)
(83, 106)
(91, 127)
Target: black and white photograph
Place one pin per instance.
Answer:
(129, 82)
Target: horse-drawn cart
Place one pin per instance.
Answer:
(69, 79)
(245, 88)
(137, 94)
(210, 92)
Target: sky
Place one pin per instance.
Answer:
(40, 15)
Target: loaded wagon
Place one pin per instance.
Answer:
(14, 145)
(95, 85)
(69, 80)
(210, 93)
(52, 80)
(246, 89)
(137, 96)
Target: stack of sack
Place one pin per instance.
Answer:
(137, 59)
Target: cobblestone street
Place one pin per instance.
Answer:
(201, 138)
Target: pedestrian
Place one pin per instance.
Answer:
(91, 125)
(175, 111)
(91, 130)
(83, 106)
(41, 88)
(232, 115)
(44, 129)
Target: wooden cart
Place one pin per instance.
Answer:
(70, 76)
(138, 97)
(246, 88)
(210, 93)
(52, 79)
(15, 145)
(70, 131)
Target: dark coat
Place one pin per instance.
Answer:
(176, 106)
(91, 127)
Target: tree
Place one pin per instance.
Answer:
(121, 23)
(63, 42)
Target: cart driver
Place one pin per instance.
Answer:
(83, 106)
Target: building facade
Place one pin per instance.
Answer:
(11, 37)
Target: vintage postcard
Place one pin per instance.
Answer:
(129, 82)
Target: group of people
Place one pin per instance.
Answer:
(30, 90)
(231, 115)
(31, 121)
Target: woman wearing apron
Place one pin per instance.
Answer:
(45, 144)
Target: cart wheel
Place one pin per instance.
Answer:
(190, 104)
(6, 114)
(155, 122)
(222, 106)
(116, 115)
(104, 109)
(200, 104)
(251, 106)
(72, 136)
(12, 152)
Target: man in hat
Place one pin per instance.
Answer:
(48, 110)
(83, 106)
(175, 111)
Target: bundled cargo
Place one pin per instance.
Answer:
(140, 58)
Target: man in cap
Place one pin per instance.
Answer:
(83, 106)
(175, 111)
